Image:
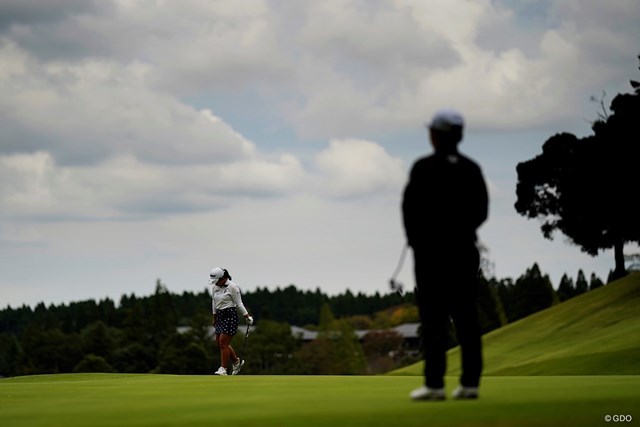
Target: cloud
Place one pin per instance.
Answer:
(87, 112)
(372, 36)
(30, 12)
(113, 110)
(352, 168)
(34, 186)
(348, 68)
(96, 140)
(501, 85)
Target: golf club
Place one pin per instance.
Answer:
(244, 343)
(393, 283)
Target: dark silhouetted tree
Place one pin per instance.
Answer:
(93, 363)
(504, 288)
(595, 282)
(314, 357)
(272, 347)
(582, 286)
(161, 321)
(134, 358)
(566, 288)
(180, 354)
(98, 340)
(532, 292)
(347, 351)
(490, 310)
(583, 187)
(10, 355)
(50, 351)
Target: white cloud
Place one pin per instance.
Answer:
(195, 45)
(349, 68)
(257, 176)
(35, 186)
(90, 111)
(352, 167)
(375, 35)
(347, 92)
(30, 184)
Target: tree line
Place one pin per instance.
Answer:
(141, 334)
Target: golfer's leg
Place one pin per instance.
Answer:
(465, 316)
(232, 354)
(432, 315)
(470, 339)
(224, 349)
(219, 346)
(434, 332)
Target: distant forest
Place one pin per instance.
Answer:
(140, 334)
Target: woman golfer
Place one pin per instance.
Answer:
(226, 300)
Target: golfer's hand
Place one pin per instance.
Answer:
(249, 320)
(214, 320)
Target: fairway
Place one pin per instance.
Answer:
(263, 401)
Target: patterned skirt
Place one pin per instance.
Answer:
(227, 321)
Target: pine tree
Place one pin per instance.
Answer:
(595, 282)
(581, 284)
(566, 289)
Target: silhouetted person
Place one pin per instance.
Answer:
(444, 203)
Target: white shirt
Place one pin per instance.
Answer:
(227, 296)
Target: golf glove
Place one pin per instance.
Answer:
(250, 320)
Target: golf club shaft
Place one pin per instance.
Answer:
(244, 343)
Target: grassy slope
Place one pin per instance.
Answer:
(593, 334)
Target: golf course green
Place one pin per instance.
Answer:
(574, 364)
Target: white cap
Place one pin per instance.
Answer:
(215, 275)
(445, 120)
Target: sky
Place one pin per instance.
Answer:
(147, 140)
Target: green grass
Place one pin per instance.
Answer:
(596, 333)
(96, 400)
